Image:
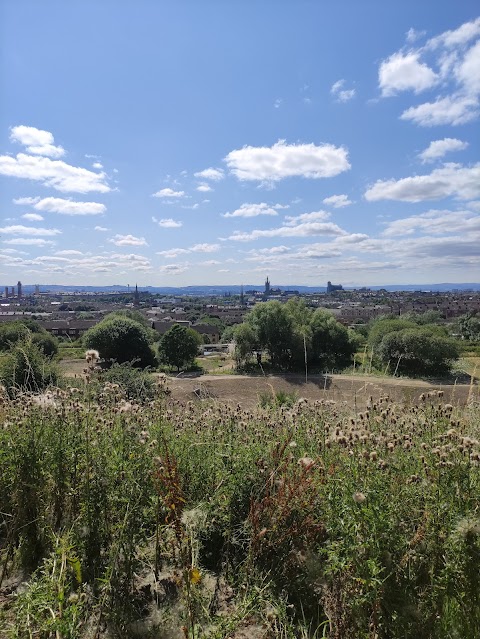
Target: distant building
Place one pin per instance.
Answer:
(19, 289)
(267, 287)
(331, 288)
(136, 297)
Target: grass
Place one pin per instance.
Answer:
(296, 519)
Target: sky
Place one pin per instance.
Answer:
(199, 143)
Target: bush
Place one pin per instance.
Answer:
(12, 333)
(121, 339)
(26, 369)
(137, 385)
(179, 346)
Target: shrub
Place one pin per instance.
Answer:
(26, 369)
(137, 385)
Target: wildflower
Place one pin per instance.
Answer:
(468, 528)
(359, 497)
(92, 356)
(306, 462)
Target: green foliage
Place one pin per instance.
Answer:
(138, 385)
(12, 333)
(292, 331)
(179, 346)
(469, 327)
(312, 517)
(380, 327)
(26, 369)
(121, 339)
(418, 352)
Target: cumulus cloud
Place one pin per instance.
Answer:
(127, 240)
(434, 223)
(453, 109)
(32, 217)
(306, 217)
(282, 160)
(168, 223)
(341, 94)
(438, 148)
(169, 193)
(452, 180)
(19, 229)
(337, 201)
(402, 72)
(69, 207)
(449, 61)
(211, 174)
(204, 188)
(173, 269)
(28, 241)
(196, 248)
(304, 229)
(172, 253)
(37, 141)
(253, 210)
(101, 228)
(53, 173)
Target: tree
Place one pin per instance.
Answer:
(245, 342)
(332, 345)
(383, 326)
(469, 327)
(121, 339)
(274, 330)
(179, 346)
(418, 352)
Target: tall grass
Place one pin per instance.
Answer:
(200, 519)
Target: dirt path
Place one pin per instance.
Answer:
(353, 390)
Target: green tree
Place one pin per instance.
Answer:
(469, 327)
(245, 342)
(121, 339)
(418, 352)
(273, 327)
(332, 345)
(383, 326)
(179, 346)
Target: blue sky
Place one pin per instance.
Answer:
(187, 143)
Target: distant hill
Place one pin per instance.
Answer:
(235, 289)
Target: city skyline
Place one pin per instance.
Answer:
(172, 145)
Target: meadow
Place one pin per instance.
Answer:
(295, 518)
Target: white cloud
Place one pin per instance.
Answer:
(28, 230)
(456, 37)
(196, 248)
(412, 35)
(68, 252)
(169, 193)
(341, 94)
(69, 207)
(53, 173)
(26, 200)
(278, 102)
(37, 141)
(435, 223)
(28, 241)
(97, 165)
(173, 269)
(204, 188)
(270, 164)
(204, 248)
(210, 263)
(305, 229)
(167, 223)
(403, 72)
(453, 109)
(101, 228)
(452, 180)
(172, 253)
(337, 201)
(438, 148)
(252, 210)
(127, 240)
(211, 174)
(32, 217)
(306, 217)
(468, 71)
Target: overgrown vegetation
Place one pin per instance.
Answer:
(300, 519)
